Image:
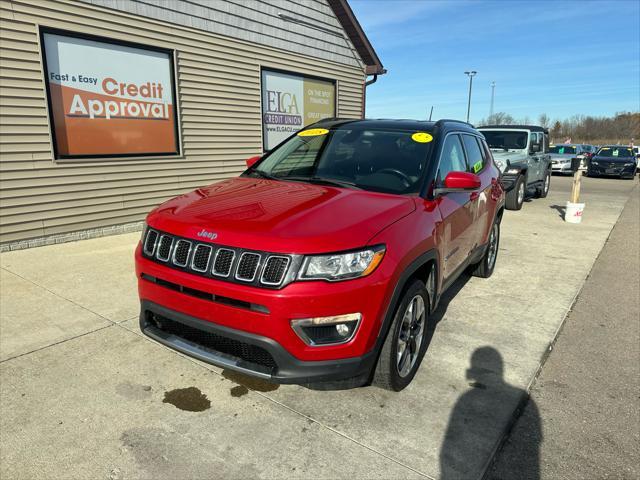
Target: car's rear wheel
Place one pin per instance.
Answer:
(484, 268)
(543, 190)
(515, 197)
(407, 340)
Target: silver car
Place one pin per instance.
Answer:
(561, 156)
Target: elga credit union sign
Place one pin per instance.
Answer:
(109, 99)
(291, 102)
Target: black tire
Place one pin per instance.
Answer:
(387, 374)
(515, 197)
(543, 190)
(484, 268)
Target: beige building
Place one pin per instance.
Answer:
(108, 107)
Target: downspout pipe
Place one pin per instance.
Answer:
(364, 92)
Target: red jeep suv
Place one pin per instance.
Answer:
(323, 262)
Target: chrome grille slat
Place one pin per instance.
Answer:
(248, 266)
(151, 238)
(275, 269)
(181, 253)
(222, 262)
(201, 257)
(163, 250)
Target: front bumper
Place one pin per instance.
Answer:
(262, 318)
(613, 170)
(244, 352)
(561, 168)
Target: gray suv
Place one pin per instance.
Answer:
(521, 152)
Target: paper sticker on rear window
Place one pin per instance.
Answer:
(421, 137)
(313, 132)
(477, 166)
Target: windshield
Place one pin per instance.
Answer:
(623, 152)
(506, 140)
(389, 161)
(563, 149)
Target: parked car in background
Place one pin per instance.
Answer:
(613, 160)
(561, 156)
(324, 261)
(521, 154)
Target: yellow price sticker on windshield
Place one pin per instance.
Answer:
(314, 132)
(477, 166)
(421, 137)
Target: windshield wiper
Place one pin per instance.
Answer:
(262, 174)
(323, 181)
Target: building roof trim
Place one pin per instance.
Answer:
(350, 24)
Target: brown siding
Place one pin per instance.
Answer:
(219, 95)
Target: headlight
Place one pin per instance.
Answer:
(342, 266)
(513, 170)
(628, 164)
(594, 163)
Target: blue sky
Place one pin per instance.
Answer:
(561, 58)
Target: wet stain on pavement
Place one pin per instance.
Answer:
(250, 383)
(239, 390)
(190, 399)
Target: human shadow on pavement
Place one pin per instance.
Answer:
(479, 418)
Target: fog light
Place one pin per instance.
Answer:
(332, 330)
(342, 329)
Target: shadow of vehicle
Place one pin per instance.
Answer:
(474, 418)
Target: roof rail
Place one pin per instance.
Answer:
(442, 120)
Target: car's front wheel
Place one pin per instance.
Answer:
(515, 197)
(543, 190)
(407, 340)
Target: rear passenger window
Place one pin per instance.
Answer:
(451, 158)
(474, 154)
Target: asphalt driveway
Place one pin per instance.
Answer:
(84, 395)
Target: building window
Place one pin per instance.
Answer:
(108, 98)
(291, 101)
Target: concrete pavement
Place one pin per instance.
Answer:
(587, 394)
(82, 392)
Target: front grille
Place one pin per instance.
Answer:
(274, 270)
(181, 253)
(222, 264)
(217, 343)
(237, 265)
(248, 266)
(164, 248)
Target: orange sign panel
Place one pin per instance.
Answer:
(108, 99)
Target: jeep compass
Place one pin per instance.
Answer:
(323, 262)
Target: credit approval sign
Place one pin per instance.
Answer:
(108, 99)
(290, 102)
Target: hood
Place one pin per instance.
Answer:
(513, 157)
(280, 216)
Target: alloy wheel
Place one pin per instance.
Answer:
(521, 193)
(493, 246)
(411, 335)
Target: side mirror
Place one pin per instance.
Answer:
(535, 147)
(251, 161)
(458, 182)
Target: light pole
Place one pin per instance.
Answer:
(493, 93)
(470, 75)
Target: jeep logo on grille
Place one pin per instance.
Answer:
(205, 234)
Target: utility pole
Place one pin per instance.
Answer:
(493, 96)
(470, 74)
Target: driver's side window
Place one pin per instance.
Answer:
(451, 158)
